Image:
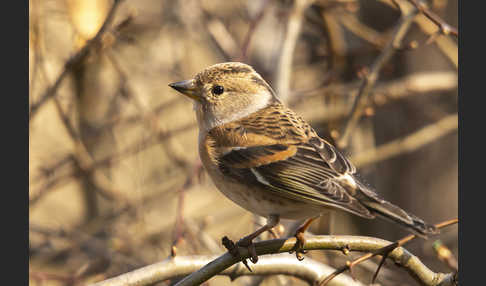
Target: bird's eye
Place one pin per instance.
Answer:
(217, 89)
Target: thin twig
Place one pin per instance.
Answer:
(371, 78)
(445, 44)
(445, 28)
(294, 24)
(251, 30)
(386, 250)
(133, 149)
(408, 143)
(351, 22)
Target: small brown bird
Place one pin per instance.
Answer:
(268, 160)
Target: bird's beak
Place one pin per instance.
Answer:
(187, 87)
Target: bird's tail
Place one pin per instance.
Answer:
(392, 212)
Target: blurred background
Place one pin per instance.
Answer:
(114, 174)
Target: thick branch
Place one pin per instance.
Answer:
(308, 270)
(402, 257)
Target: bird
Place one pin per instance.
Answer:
(267, 159)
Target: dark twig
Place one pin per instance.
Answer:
(372, 76)
(251, 30)
(445, 28)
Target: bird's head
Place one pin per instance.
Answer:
(225, 92)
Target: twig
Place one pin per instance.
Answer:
(223, 39)
(308, 270)
(75, 60)
(251, 30)
(351, 22)
(385, 252)
(133, 149)
(445, 44)
(285, 62)
(179, 223)
(371, 78)
(445, 28)
(408, 143)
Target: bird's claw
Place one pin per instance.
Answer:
(299, 246)
(233, 250)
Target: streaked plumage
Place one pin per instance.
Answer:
(268, 160)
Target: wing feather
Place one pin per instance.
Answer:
(292, 173)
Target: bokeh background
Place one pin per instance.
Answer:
(115, 179)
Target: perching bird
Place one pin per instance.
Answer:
(268, 160)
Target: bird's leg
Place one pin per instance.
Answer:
(247, 241)
(299, 235)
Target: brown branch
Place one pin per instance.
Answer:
(445, 28)
(294, 24)
(445, 44)
(408, 15)
(75, 60)
(365, 32)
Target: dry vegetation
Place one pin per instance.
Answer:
(115, 178)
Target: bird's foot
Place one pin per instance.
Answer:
(299, 246)
(245, 242)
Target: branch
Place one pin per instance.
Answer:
(445, 28)
(308, 270)
(285, 61)
(385, 252)
(370, 79)
(445, 44)
(75, 60)
(251, 31)
(330, 242)
(409, 143)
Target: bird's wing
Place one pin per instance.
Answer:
(279, 150)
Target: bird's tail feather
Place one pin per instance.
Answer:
(394, 213)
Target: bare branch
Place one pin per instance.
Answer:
(409, 143)
(385, 252)
(285, 62)
(330, 242)
(308, 270)
(445, 28)
(371, 78)
(445, 44)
